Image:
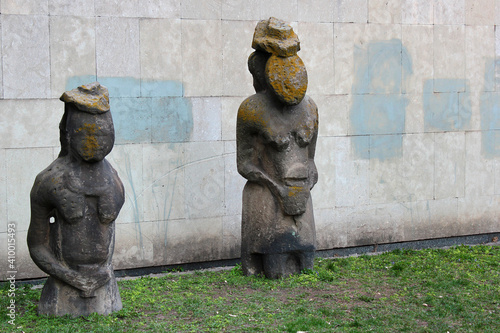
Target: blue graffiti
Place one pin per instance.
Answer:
(172, 119)
(386, 146)
(490, 75)
(490, 113)
(446, 111)
(379, 107)
(490, 124)
(145, 111)
(132, 119)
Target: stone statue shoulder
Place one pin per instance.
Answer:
(48, 182)
(253, 112)
(51, 191)
(308, 111)
(311, 105)
(56, 188)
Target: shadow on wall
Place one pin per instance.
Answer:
(377, 115)
(145, 111)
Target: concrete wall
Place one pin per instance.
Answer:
(407, 90)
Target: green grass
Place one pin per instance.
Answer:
(435, 290)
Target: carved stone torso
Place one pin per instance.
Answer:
(286, 138)
(281, 138)
(85, 203)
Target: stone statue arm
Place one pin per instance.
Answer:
(248, 168)
(43, 256)
(247, 158)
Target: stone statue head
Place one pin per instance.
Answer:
(257, 67)
(86, 128)
(284, 72)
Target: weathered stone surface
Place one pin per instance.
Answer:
(74, 204)
(287, 77)
(276, 37)
(92, 98)
(276, 136)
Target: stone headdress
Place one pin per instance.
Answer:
(285, 72)
(90, 98)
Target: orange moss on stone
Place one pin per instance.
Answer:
(276, 37)
(92, 98)
(294, 190)
(287, 77)
(90, 143)
(250, 114)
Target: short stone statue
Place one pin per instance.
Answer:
(276, 136)
(74, 204)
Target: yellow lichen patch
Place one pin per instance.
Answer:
(250, 116)
(92, 98)
(287, 77)
(276, 37)
(89, 141)
(294, 190)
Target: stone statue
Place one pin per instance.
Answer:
(74, 204)
(276, 137)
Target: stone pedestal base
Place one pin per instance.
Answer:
(275, 266)
(59, 299)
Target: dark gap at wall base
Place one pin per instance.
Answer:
(338, 252)
(414, 245)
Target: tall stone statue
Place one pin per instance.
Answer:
(74, 204)
(276, 137)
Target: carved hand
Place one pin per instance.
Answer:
(88, 282)
(95, 281)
